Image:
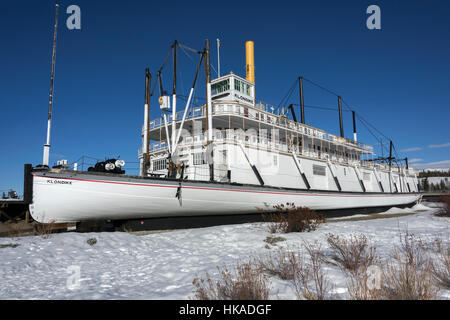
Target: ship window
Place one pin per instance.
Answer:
(242, 87)
(199, 158)
(160, 164)
(319, 170)
(237, 85)
(220, 87)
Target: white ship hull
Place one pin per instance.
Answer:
(71, 197)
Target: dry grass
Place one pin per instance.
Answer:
(351, 254)
(246, 283)
(441, 268)
(282, 263)
(289, 218)
(44, 229)
(308, 277)
(405, 281)
(406, 275)
(365, 284)
(14, 232)
(409, 273)
(310, 281)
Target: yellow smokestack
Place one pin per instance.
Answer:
(249, 61)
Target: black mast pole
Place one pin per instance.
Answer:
(354, 127)
(175, 67)
(160, 83)
(390, 154)
(302, 105)
(341, 125)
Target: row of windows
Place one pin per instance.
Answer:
(224, 85)
(220, 87)
(160, 164)
(242, 87)
(200, 158)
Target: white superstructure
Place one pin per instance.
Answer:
(248, 136)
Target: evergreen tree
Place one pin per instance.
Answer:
(426, 184)
(442, 185)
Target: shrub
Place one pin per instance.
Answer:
(441, 269)
(247, 283)
(408, 273)
(14, 231)
(310, 281)
(283, 263)
(353, 253)
(289, 218)
(44, 229)
(365, 283)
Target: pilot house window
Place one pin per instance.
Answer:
(220, 87)
(242, 87)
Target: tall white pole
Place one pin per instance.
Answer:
(218, 58)
(174, 116)
(174, 97)
(46, 155)
(145, 146)
(175, 144)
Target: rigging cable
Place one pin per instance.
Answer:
(288, 95)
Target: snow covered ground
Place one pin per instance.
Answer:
(163, 265)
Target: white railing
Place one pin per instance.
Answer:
(264, 143)
(192, 113)
(263, 115)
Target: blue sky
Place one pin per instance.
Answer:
(397, 78)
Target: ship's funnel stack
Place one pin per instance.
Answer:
(249, 61)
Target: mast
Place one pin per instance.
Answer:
(50, 102)
(354, 127)
(145, 147)
(218, 58)
(390, 165)
(341, 125)
(208, 110)
(302, 105)
(174, 93)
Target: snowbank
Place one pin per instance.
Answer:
(163, 265)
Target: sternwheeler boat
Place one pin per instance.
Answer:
(231, 155)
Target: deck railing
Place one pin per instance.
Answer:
(261, 114)
(265, 143)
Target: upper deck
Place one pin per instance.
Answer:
(233, 96)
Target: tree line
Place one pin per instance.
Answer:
(425, 185)
(429, 173)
